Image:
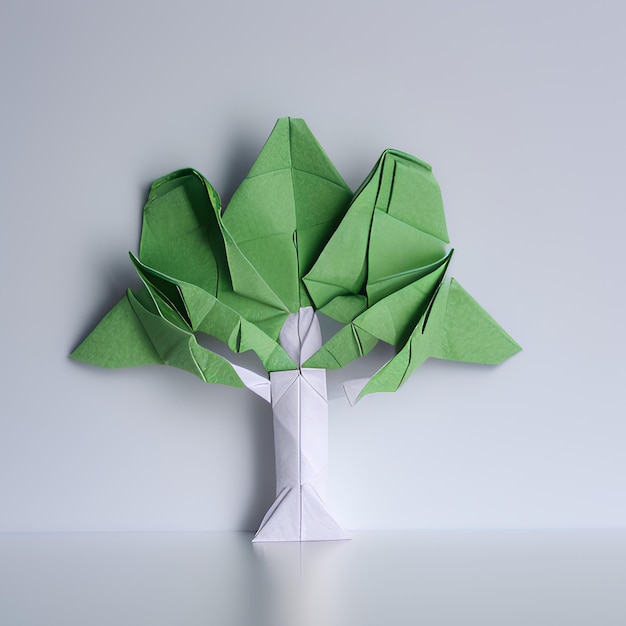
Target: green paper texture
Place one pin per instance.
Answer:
(294, 236)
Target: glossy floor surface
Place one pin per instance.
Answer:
(436, 578)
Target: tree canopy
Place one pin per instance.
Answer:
(294, 236)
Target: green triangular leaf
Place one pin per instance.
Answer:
(119, 340)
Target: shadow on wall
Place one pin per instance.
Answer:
(261, 434)
(238, 159)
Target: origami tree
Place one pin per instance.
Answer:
(295, 240)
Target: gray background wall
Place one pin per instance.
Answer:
(520, 109)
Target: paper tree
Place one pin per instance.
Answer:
(295, 240)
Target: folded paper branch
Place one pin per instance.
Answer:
(295, 240)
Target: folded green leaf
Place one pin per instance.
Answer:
(454, 327)
(282, 214)
(391, 320)
(119, 340)
(203, 312)
(180, 235)
(393, 233)
(179, 348)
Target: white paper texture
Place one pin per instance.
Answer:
(300, 407)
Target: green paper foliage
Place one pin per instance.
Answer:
(392, 234)
(453, 327)
(119, 340)
(282, 215)
(293, 235)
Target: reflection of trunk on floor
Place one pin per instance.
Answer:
(299, 582)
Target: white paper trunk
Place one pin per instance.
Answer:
(300, 408)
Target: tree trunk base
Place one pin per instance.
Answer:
(299, 517)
